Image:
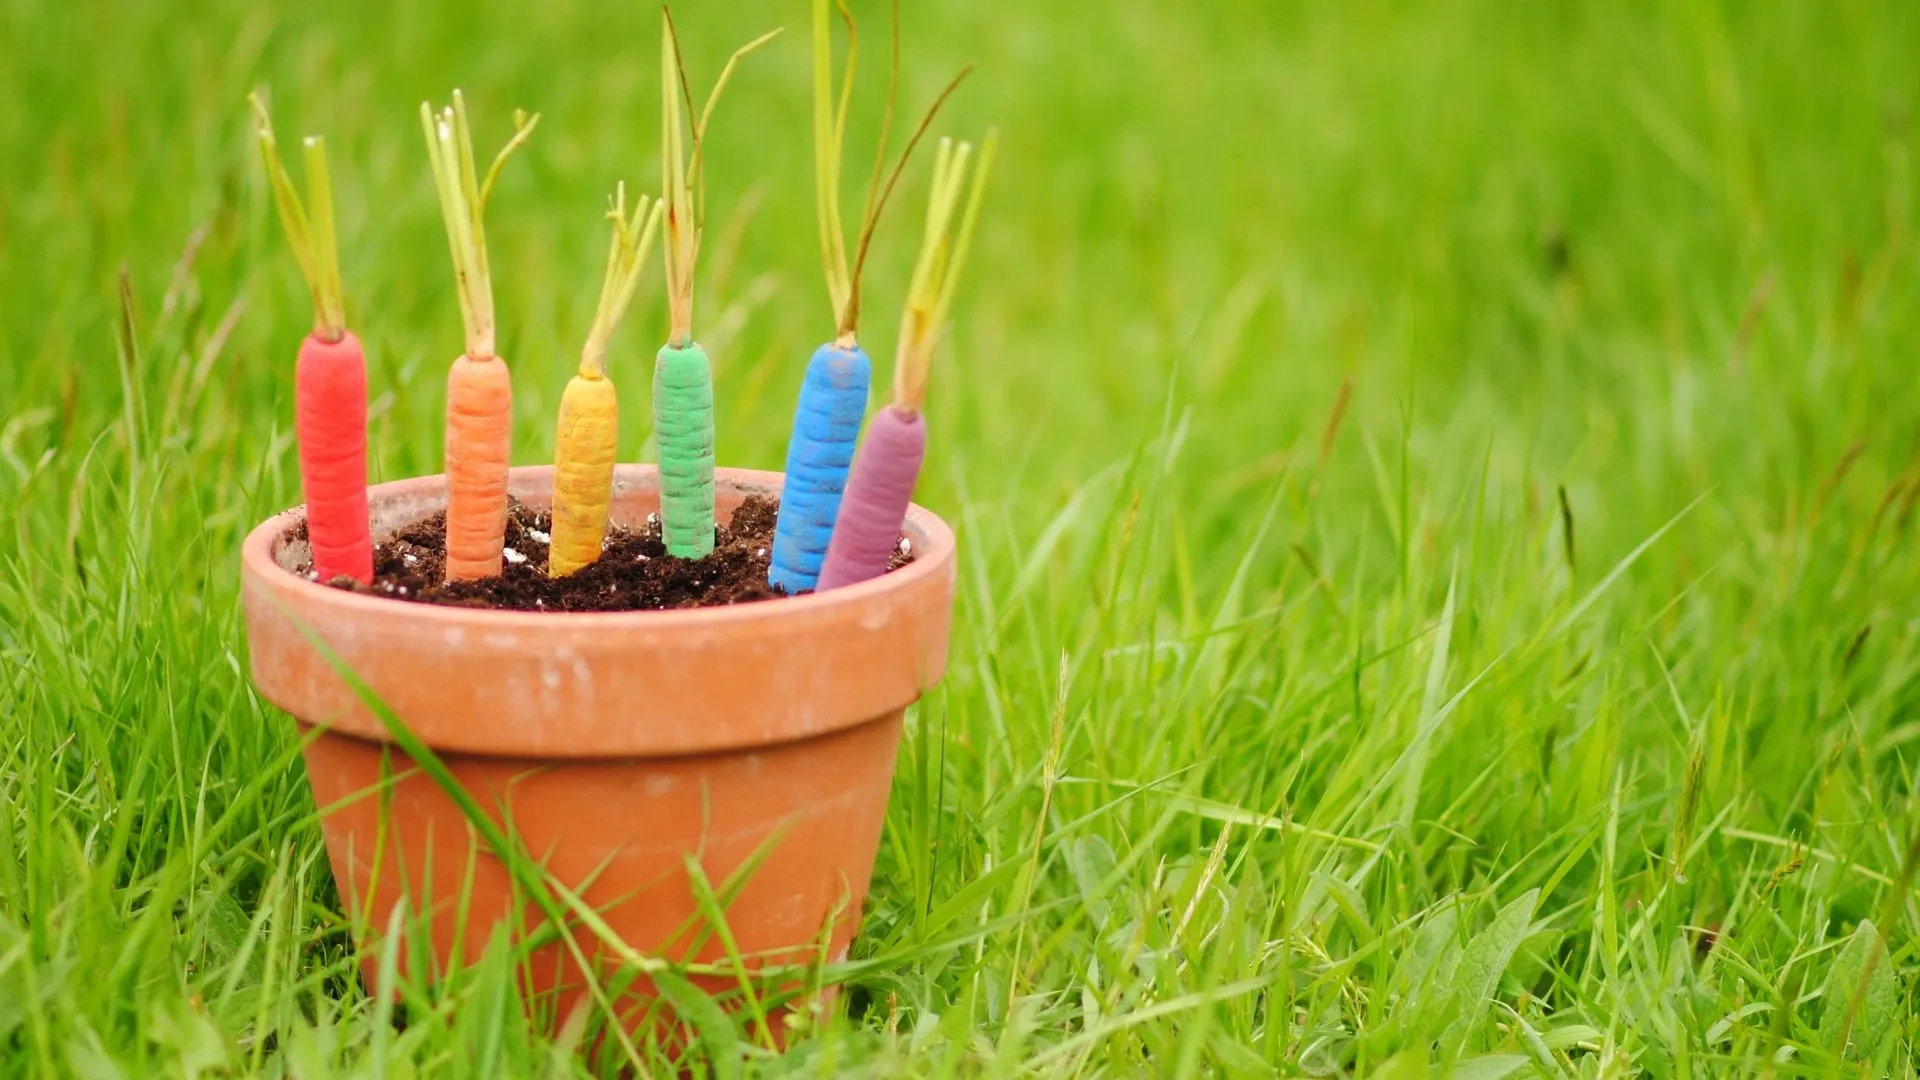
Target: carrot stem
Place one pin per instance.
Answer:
(310, 235)
(869, 211)
(878, 203)
(829, 131)
(633, 237)
(829, 151)
(683, 230)
(680, 178)
(330, 312)
(943, 255)
(523, 125)
(463, 204)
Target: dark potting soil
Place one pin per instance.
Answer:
(634, 572)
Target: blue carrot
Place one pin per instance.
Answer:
(833, 399)
(826, 425)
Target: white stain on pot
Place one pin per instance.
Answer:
(661, 784)
(876, 616)
(582, 677)
(566, 668)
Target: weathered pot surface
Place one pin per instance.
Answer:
(617, 743)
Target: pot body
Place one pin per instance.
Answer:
(757, 741)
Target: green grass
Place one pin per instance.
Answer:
(1279, 738)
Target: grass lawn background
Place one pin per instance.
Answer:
(1436, 482)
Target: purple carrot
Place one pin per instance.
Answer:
(878, 490)
(880, 487)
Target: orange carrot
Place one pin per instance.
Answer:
(479, 430)
(330, 378)
(479, 390)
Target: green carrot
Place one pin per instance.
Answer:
(682, 376)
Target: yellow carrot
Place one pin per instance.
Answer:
(584, 444)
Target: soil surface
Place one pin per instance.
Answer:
(634, 573)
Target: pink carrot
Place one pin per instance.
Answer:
(879, 488)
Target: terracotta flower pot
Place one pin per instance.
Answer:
(617, 744)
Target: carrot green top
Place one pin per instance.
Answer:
(625, 259)
(829, 146)
(680, 186)
(463, 201)
(311, 235)
(829, 140)
(943, 253)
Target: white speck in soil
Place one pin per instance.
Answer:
(403, 590)
(640, 558)
(653, 519)
(409, 558)
(544, 538)
(513, 556)
(906, 546)
(759, 553)
(313, 575)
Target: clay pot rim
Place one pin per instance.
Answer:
(933, 549)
